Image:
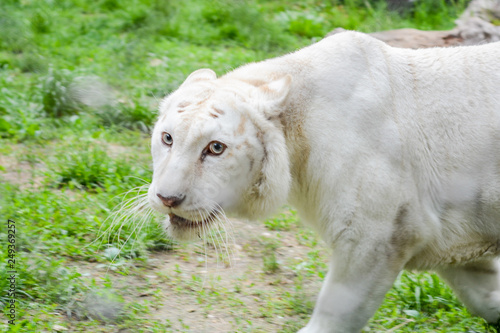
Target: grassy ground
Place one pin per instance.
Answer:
(80, 82)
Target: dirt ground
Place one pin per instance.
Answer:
(191, 290)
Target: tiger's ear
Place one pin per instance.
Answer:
(199, 75)
(273, 94)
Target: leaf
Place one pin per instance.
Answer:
(4, 125)
(412, 313)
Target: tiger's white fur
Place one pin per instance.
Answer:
(392, 155)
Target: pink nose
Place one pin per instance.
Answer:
(172, 201)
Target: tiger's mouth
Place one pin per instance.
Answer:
(182, 222)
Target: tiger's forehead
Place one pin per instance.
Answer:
(186, 98)
(199, 115)
(206, 110)
(203, 101)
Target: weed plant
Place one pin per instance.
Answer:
(284, 221)
(134, 116)
(89, 166)
(18, 119)
(270, 261)
(57, 100)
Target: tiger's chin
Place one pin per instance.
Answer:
(183, 229)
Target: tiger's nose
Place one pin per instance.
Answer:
(172, 201)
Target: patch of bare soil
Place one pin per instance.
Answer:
(18, 169)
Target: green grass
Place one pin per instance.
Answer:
(79, 85)
(284, 221)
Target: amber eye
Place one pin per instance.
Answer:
(166, 138)
(216, 148)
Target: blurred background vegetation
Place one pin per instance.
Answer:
(144, 48)
(80, 83)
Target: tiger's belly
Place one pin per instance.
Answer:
(467, 232)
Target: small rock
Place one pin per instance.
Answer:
(155, 62)
(111, 253)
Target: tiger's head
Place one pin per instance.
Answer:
(218, 148)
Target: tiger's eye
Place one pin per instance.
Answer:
(166, 138)
(216, 148)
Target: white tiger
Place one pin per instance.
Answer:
(392, 155)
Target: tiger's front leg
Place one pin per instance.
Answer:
(361, 272)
